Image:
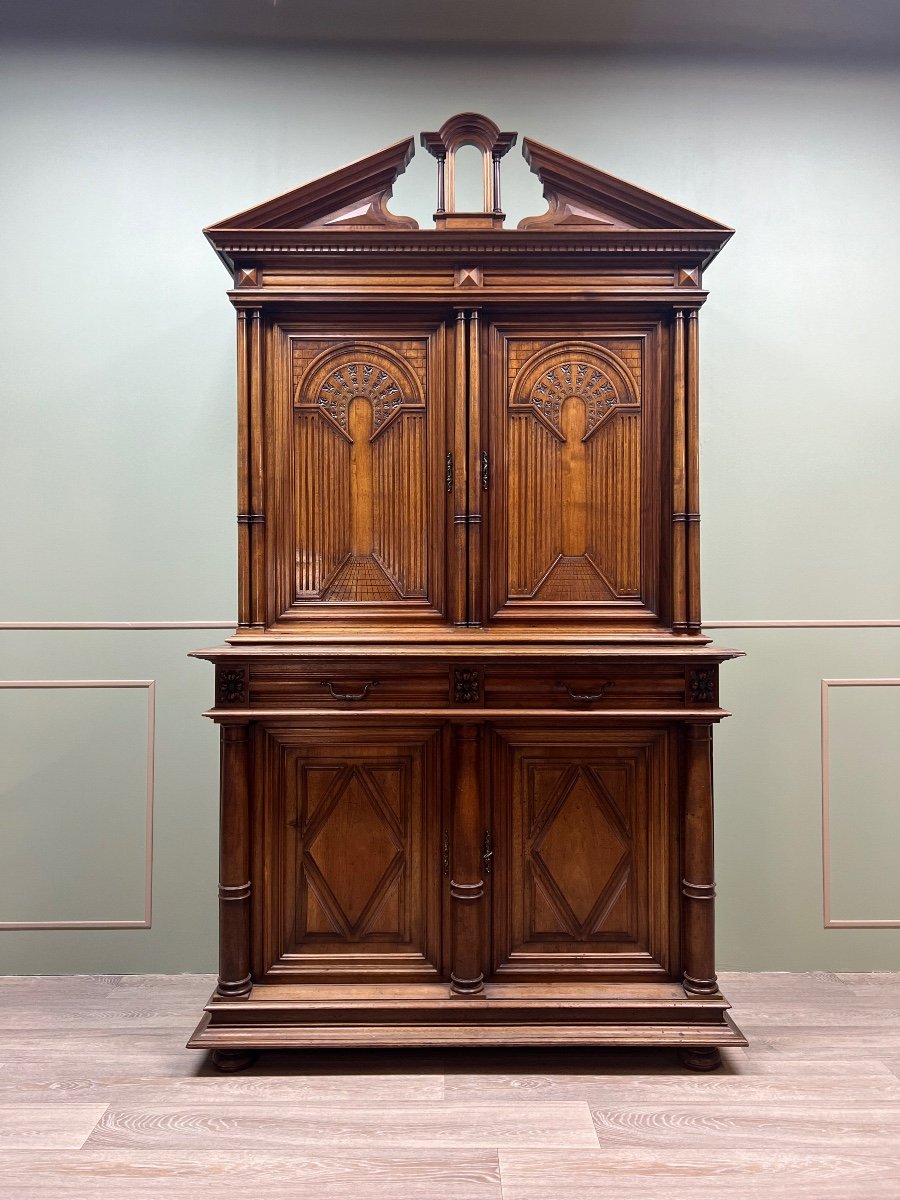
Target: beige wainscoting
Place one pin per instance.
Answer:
(771, 778)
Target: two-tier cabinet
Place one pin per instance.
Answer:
(466, 716)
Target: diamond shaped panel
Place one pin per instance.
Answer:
(579, 854)
(356, 852)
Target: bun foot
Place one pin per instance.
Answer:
(701, 1058)
(234, 1060)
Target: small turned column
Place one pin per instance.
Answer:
(466, 877)
(698, 882)
(234, 863)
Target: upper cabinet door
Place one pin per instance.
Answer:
(570, 424)
(358, 473)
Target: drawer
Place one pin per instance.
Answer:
(341, 685)
(577, 687)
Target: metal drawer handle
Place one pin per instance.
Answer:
(350, 695)
(585, 697)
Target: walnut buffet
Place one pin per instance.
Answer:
(466, 716)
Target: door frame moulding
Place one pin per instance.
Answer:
(32, 625)
(126, 625)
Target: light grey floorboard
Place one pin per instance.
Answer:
(100, 1098)
(699, 1174)
(40, 1127)
(327, 1174)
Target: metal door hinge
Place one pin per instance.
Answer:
(485, 471)
(445, 857)
(449, 472)
(488, 854)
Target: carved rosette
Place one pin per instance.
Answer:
(231, 685)
(702, 685)
(466, 686)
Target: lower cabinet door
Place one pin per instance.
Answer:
(347, 862)
(584, 874)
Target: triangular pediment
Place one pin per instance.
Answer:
(581, 197)
(354, 196)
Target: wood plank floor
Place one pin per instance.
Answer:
(98, 1098)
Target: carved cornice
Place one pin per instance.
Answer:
(667, 246)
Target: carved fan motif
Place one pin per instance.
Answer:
(574, 378)
(358, 380)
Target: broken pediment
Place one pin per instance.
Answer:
(589, 208)
(581, 197)
(353, 197)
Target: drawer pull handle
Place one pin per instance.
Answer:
(585, 697)
(350, 695)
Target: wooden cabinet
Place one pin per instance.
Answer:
(466, 713)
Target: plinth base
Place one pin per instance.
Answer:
(307, 1017)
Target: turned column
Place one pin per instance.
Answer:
(692, 465)
(244, 515)
(478, 473)
(466, 877)
(457, 481)
(257, 496)
(234, 863)
(679, 483)
(698, 882)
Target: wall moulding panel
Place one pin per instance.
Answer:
(127, 625)
(148, 685)
(24, 626)
(830, 921)
(824, 624)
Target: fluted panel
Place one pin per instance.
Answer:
(323, 502)
(615, 524)
(399, 504)
(535, 488)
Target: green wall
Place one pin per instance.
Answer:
(118, 450)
